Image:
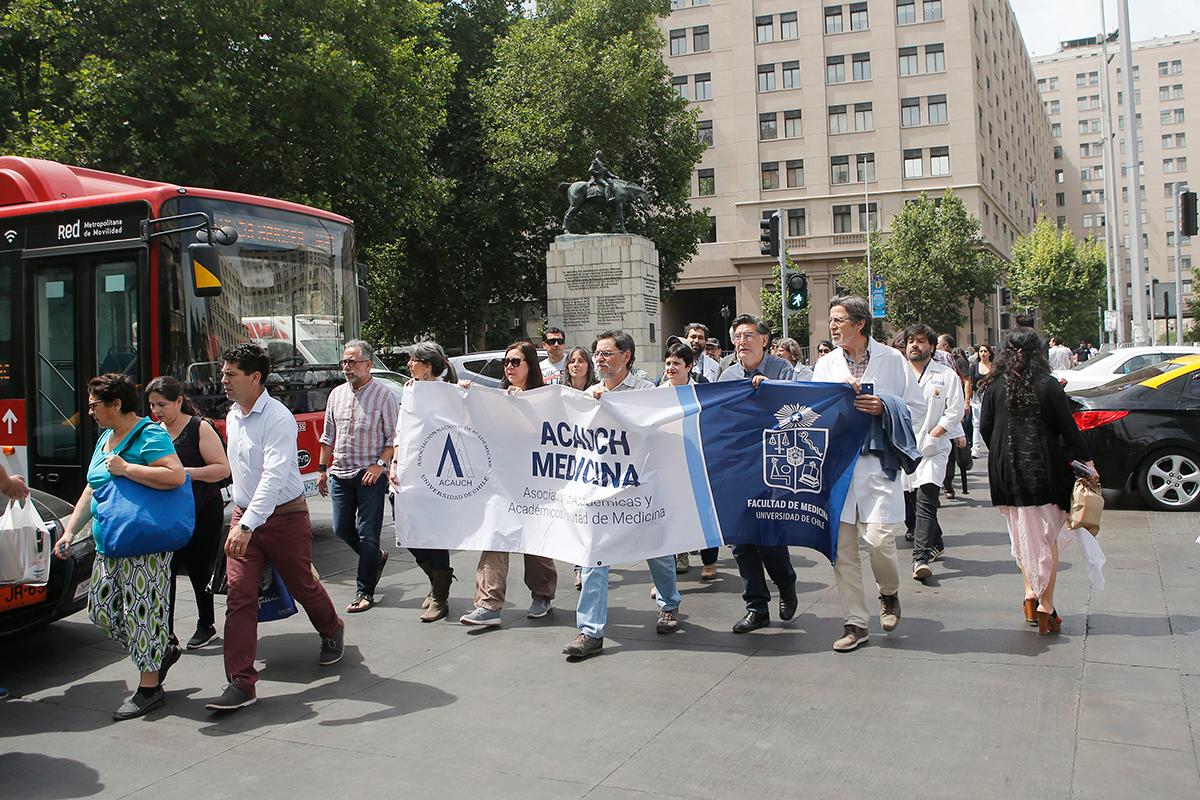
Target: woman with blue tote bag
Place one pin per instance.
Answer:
(139, 500)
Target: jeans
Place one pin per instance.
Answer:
(921, 507)
(591, 615)
(752, 559)
(357, 520)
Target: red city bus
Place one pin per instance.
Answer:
(98, 273)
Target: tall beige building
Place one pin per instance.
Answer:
(806, 105)
(1072, 93)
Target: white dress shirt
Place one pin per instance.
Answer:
(872, 497)
(945, 402)
(706, 367)
(262, 458)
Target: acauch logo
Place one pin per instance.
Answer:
(794, 451)
(455, 462)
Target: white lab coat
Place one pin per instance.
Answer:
(872, 497)
(945, 402)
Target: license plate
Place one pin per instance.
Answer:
(310, 487)
(16, 596)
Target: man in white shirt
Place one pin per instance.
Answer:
(696, 334)
(944, 409)
(270, 523)
(554, 342)
(1059, 355)
(874, 509)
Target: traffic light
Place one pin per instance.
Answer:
(1187, 211)
(768, 239)
(797, 292)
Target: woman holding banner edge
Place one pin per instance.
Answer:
(521, 373)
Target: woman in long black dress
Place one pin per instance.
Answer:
(1032, 439)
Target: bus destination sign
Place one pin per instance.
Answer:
(82, 226)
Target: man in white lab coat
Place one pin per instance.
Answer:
(874, 507)
(944, 403)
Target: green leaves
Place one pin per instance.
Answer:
(1062, 278)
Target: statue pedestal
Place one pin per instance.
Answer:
(606, 281)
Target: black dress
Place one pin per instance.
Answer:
(199, 555)
(1029, 456)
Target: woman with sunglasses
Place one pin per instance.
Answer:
(427, 362)
(521, 373)
(823, 347)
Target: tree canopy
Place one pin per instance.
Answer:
(1062, 278)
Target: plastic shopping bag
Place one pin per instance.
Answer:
(24, 545)
(274, 600)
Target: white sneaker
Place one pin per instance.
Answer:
(481, 616)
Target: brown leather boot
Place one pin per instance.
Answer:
(428, 595)
(439, 595)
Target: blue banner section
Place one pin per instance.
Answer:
(779, 459)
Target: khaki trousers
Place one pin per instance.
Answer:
(880, 538)
(491, 578)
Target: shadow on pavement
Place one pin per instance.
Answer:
(33, 775)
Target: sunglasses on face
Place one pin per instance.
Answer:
(512, 362)
(555, 342)
(822, 349)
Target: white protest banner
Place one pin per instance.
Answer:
(635, 475)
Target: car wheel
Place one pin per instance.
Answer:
(1170, 481)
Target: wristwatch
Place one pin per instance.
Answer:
(379, 462)
(322, 467)
(242, 527)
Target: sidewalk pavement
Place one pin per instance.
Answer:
(962, 700)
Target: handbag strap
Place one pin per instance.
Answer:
(134, 435)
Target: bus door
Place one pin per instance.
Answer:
(85, 318)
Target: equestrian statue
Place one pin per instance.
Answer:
(602, 189)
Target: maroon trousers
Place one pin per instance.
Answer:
(285, 540)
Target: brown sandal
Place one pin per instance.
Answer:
(1031, 611)
(361, 603)
(1048, 622)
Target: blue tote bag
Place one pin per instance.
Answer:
(136, 520)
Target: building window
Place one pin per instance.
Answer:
(797, 225)
(1056, 130)
(932, 10)
(764, 29)
(788, 27)
(935, 58)
(910, 112)
(835, 69)
(1060, 176)
(863, 117)
(1058, 152)
(1053, 84)
(865, 167)
(679, 84)
(908, 61)
(703, 86)
(868, 222)
(795, 174)
(939, 161)
(766, 77)
(770, 174)
(710, 236)
(791, 124)
(678, 42)
(841, 219)
(862, 66)
(700, 38)
(768, 126)
(912, 163)
(906, 12)
(937, 109)
(858, 17)
(839, 170)
(704, 129)
(833, 19)
(791, 74)
(707, 182)
(838, 122)
(1060, 199)
(1177, 67)
(1080, 80)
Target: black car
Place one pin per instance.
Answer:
(25, 607)
(1144, 432)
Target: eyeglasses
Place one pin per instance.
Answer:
(838, 320)
(822, 349)
(350, 362)
(745, 336)
(94, 403)
(512, 362)
(554, 342)
(605, 353)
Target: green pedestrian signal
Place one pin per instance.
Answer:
(797, 292)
